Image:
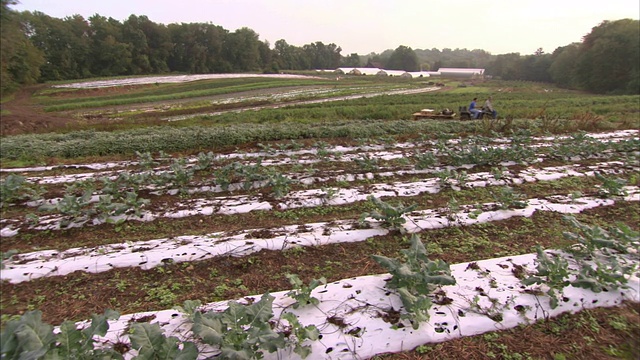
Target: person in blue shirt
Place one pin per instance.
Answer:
(473, 109)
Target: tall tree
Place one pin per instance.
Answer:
(64, 43)
(110, 55)
(242, 50)
(353, 60)
(563, 65)
(403, 58)
(20, 61)
(609, 58)
(134, 36)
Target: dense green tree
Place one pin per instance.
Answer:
(158, 40)
(64, 43)
(197, 48)
(353, 60)
(506, 66)
(133, 35)
(563, 65)
(20, 60)
(110, 55)
(403, 58)
(609, 58)
(535, 67)
(241, 49)
(321, 56)
(290, 57)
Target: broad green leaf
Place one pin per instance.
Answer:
(229, 353)
(34, 337)
(209, 329)
(189, 352)
(147, 339)
(262, 311)
(8, 340)
(69, 338)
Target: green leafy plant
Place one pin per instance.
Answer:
(424, 160)
(245, 332)
(146, 161)
(301, 292)
(279, 184)
(14, 188)
(205, 161)
(390, 216)
(30, 338)
(611, 187)
(453, 179)
(367, 163)
(553, 272)
(151, 343)
(73, 208)
(507, 198)
(415, 277)
(6, 255)
(600, 260)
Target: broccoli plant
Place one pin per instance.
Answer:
(246, 331)
(415, 278)
(301, 292)
(31, 338)
(611, 187)
(15, 187)
(390, 216)
(507, 198)
(600, 260)
(367, 163)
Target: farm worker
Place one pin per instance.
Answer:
(488, 106)
(473, 109)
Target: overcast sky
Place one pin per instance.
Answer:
(365, 26)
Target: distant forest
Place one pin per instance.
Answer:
(37, 48)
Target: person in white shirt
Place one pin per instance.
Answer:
(488, 106)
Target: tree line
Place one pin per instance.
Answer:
(37, 48)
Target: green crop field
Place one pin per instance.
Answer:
(159, 196)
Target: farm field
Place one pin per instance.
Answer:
(376, 236)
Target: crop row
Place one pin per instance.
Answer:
(361, 316)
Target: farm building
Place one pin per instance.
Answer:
(357, 71)
(400, 73)
(465, 73)
(461, 73)
(421, 74)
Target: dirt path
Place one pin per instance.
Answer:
(24, 117)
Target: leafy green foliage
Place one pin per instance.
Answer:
(30, 338)
(601, 260)
(415, 277)
(451, 178)
(551, 271)
(507, 198)
(425, 160)
(245, 331)
(279, 184)
(611, 186)
(391, 216)
(367, 163)
(15, 188)
(152, 344)
(301, 292)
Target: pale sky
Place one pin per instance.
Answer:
(365, 26)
